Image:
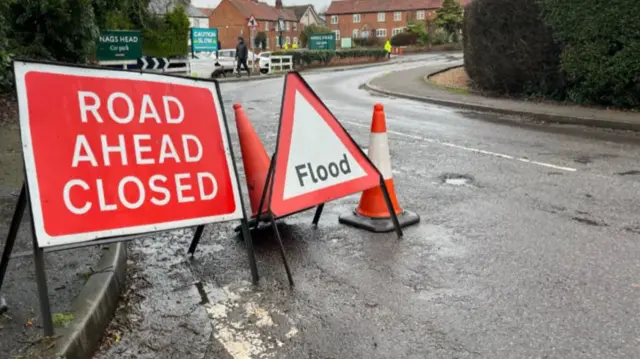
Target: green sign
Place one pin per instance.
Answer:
(322, 41)
(204, 40)
(119, 45)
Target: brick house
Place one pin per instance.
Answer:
(378, 18)
(306, 15)
(230, 17)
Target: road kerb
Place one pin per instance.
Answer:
(93, 309)
(545, 117)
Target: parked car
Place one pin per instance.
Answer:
(210, 65)
(264, 60)
(228, 56)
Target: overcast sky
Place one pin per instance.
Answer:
(318, 4)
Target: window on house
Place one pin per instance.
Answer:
(397, 31)
(286, 25)
(364, 34)
(287, 40)
(420, 15)
(266, 43)
(380, 17)
(337, 32)
(266, 25)
(356, 18)
(334, 19)
(381, 32)
(295, 41)
(295, 26)
(354, 34)
(277, 41)
(397, 16)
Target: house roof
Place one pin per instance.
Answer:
(363, 6)
(206, 11)
(164, 6)
(262, 11)
(299, 10)
(193, 11)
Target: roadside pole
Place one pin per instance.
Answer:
(252, 23)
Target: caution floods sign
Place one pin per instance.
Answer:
(112, 153)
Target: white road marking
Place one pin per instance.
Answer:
(484, 152)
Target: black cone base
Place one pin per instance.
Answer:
(379, 225)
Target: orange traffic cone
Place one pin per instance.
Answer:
(372, 213)
(254, 158)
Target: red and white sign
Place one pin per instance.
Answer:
(316, 159)
(252, 22)
(111, 153)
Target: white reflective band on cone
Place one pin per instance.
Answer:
(379, 153)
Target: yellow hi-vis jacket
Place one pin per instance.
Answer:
(387, 46)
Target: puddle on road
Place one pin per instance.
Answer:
(629, 173)
(455, 179)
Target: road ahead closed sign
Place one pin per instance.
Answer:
(111, 153)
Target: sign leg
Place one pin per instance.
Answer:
(246, 234)
(316, 217)
(265, 190)
(284, 258)
(11, 240)
(13, 233)
(43, 291)
(196, 239)
(387, 199)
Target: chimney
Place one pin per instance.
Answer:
(278, 4)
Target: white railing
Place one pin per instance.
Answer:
(122, 64)
(280, 63)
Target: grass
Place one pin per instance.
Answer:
(454, 80)
(63, 319)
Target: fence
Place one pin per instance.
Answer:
(281, 63)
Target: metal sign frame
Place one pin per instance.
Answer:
(38, 252)
(267, 193)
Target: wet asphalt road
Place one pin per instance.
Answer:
(536, 256)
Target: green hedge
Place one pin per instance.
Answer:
(508, 49)
(311, 57)
(601, 49)
(6, 78)
(584, 51)
(404, 39)
(67, 30)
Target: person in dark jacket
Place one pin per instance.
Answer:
(242, 53)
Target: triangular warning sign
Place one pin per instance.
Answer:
(252, 22)
(316, 159)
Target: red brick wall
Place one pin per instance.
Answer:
(369, 21)
(231, 23)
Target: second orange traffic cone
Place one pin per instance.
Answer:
(373, 213)
(254, 158)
